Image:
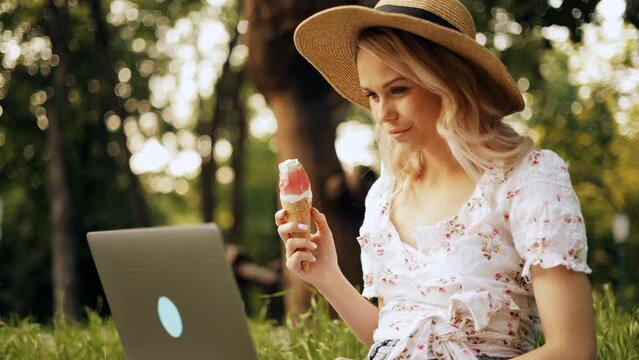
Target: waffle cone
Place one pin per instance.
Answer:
(300, 212)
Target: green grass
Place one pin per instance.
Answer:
(617, 331)
(95, 339)
(314, 336)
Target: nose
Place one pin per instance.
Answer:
(386, 111)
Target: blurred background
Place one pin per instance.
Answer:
(119, 114)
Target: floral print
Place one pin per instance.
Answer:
(474, 204)
(368, 279)
(452, 296)
(363, 240)
(511, 194)
(388, 277)
(538, 248)
(574, 254)
(379, 249)
(534, 157)
(513, 278)
(490, 243)
(410, 262)
(454, 227)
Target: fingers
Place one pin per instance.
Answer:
(298, 244)
(280, 217)
(292, 229)
(298, 254)
(320, 221)
(294, 262)
(296, 238)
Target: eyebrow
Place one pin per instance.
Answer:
(386, 84)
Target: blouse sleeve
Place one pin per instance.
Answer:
(371, 217)
(369, 290)
(545, 216)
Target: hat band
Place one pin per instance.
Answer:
(418, 13)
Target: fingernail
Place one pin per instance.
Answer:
(313, 245)
(303, 227)
(314, 259)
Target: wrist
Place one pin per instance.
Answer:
(332, 280)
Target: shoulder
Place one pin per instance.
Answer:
(379, 189)
(376, 199)
(541, 166)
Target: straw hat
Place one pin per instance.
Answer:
(328, 41)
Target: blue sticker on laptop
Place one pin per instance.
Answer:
(169, 316)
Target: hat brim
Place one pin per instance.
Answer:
(328, 40)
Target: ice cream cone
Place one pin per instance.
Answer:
(296, 196)
(299, 211)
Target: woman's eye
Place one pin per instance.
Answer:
(370, 95)
(399, 90)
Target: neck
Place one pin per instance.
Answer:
(441, 167)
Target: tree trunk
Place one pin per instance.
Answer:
(226, 88)
(209, 167)
(239, 147)
(307, 112)
(63, 245)
(138, 203)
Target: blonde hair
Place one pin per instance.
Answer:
(469, 123)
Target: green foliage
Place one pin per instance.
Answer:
(25, 339)
(315, 335)
(603, 167)
(617, 331)
(259, 236)
(95, 164)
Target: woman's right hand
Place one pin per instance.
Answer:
(322, 258)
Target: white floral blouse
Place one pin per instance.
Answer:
(465, 289)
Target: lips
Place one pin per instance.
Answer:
(396, 132)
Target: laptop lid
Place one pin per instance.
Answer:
(172, 293)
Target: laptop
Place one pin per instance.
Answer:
(172, 293)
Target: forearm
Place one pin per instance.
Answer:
(540, 353)
(547, 352)
(358, 313)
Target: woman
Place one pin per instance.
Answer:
(472, 238)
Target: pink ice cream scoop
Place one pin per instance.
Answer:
(293, 178)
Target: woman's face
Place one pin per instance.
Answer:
(404, 110)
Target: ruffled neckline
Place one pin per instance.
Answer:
(484, 188)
